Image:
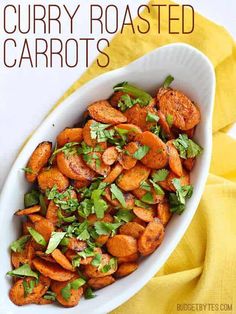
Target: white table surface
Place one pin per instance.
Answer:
(26, 95)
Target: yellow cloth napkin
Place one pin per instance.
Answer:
(202, 268)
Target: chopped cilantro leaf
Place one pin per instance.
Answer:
(145, 186)
(124, 215)
(156, 129)
(19, 245)
(23, 271)
(117, 193)
(106, 228)
(29, 170)
(170, 120)
(141, 152)
(187, 148)
(89, 294)
(98, 132)
(157, 188)
(37, 236)
(151, 117)
(54, 241)
(31, 198)
(148, 198)
(140, 204)
(127, 102)
(160, 175)
(96, 260)
(169, 79)
(29, 286)
(49, 295)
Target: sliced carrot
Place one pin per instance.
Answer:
(190, 132)
(185, 113)
(131, 130)
(131, 179)
(140, 221)
(52, 270)
(47, 179)
(125, 158)
(96, 272)
(78, 184)
(34, 217)
(129, 199)
(95, 162)
(174, 159)
(167, 183)
(75, 294)
(151, 237)
(126, 269)
(87, 136)
(145, 214)
(44, 227)
(157, 156)
(25, 226)
(163, 212)
(93, 218)
(23, 257)
(130, 258)
(102, 239)
(38, 160)
(76, 245)
(99, 283)
(122, 245)
(189, 163)
(69, 135)
(132, 229)
(103, 112)
(51, 213)
(74, 167)
(164, 125)
(43, 301)
(110, 155)
(137, 115)
(140, 193)
(28, 211)
(45, 256)
(115, 98)
(114, 174)
(17, 292)
(61, 259)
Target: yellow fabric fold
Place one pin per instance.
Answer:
(202, 267)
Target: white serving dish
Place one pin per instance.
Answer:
(195, 76)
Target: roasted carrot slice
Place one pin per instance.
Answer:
(151, 237)
(137, 115)
(163, 212)
(167, 183)
(61, 259)
(131, 130)
(132, 229)
(140, 221)
(125, 269)
(115, 98)
(130, 258)
(76, 245)
(25, 226)
(23, 257)
(122, 245)
(28, 211)
(99, 283)
(93, 218)
(17, 292)
(190, 132)
(145, 214)
(74, 167)
(69, 135)
(103, 112)
(87, 136)
(131, 179)
(96, 272)
(52, 270)
(102, 239)
(94, 161)
(44, 227)
(78, 184)
(38, 160)
(185, 113)
(189, 163)
(50, 177)
(35, 217)
(129, 199)
(110, 155)
(157, 156)
(75, 294)
(125, 158)
(45, 256)
(114, 174)
(51, 214)
(164, 125)
(174, 159)
(154, 199)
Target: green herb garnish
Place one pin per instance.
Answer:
(23, 271)
(168, 81)
(186, 147)
(151, 117)
(160, 175)
(19, 245)
(141, 152)
(31, 198)
(54, 241)
(38, 238)
(170, 120)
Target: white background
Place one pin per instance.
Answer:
(26, 95)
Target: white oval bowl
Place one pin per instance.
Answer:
(194, 75)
